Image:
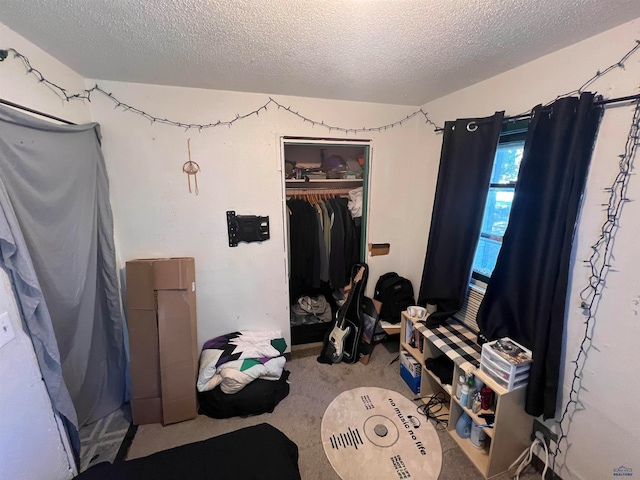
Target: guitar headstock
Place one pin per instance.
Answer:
(359, 275)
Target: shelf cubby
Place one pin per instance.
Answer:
(512, 425)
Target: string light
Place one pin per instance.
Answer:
(619, 64)
(599, 264)
(599, 74)
(86, 95)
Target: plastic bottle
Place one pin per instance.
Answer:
(463, 426)
(477, 403)
(464, 394)
(461, 382)
(487, 398)
(470, 392)
(477, 435)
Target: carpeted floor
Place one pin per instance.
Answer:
(299, 416)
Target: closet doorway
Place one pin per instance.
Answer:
(326, 196)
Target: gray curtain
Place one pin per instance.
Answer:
(56, 235)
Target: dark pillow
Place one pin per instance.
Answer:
(259, 396)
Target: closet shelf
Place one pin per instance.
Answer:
(324, 183)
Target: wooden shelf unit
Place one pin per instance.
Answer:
(511, 430)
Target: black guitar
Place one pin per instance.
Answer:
(347, 326)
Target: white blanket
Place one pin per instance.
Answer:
(236, 359)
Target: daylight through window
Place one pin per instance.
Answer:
(498, 208)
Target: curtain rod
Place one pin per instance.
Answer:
(597, 103)
(607, 101)
(36, 112)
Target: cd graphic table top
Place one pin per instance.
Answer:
(374, 433)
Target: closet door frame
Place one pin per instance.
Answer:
(367, 144)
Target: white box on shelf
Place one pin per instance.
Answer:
(506, 362)
(411, 364)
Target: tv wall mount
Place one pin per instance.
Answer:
(246, 228)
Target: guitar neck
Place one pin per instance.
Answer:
(342, 313)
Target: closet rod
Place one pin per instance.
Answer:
(342, 192)
(36, 112)
(602, 101)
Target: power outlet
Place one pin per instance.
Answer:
(6, 329)
(548, 435)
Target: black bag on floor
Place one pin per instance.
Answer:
(396, 294)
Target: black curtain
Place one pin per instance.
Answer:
(466, 161)
(525, 299)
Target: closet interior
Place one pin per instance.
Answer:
(326, 192)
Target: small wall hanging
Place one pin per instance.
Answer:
(191, 168)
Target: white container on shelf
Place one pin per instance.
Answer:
(506, 362)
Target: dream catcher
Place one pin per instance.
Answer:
(191, 168)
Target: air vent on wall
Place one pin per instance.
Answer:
(469, 310)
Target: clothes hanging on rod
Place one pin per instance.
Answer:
(322, 243)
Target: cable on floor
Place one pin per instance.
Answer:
(525, 459)
(434, 409)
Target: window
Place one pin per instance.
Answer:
(498, 208)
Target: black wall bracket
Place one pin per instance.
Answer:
(246, 228)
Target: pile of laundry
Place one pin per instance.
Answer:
(310, 309)
(237, 359)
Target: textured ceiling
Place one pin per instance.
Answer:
(388, 51)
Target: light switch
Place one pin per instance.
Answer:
(6, 329)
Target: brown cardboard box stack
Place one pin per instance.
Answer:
(161, 316)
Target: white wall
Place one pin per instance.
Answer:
(155, 215)
(31, 445)
(605, 435)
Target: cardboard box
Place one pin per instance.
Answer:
(162, 322)
(410, 380)
(411, 364)
(146, 410)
